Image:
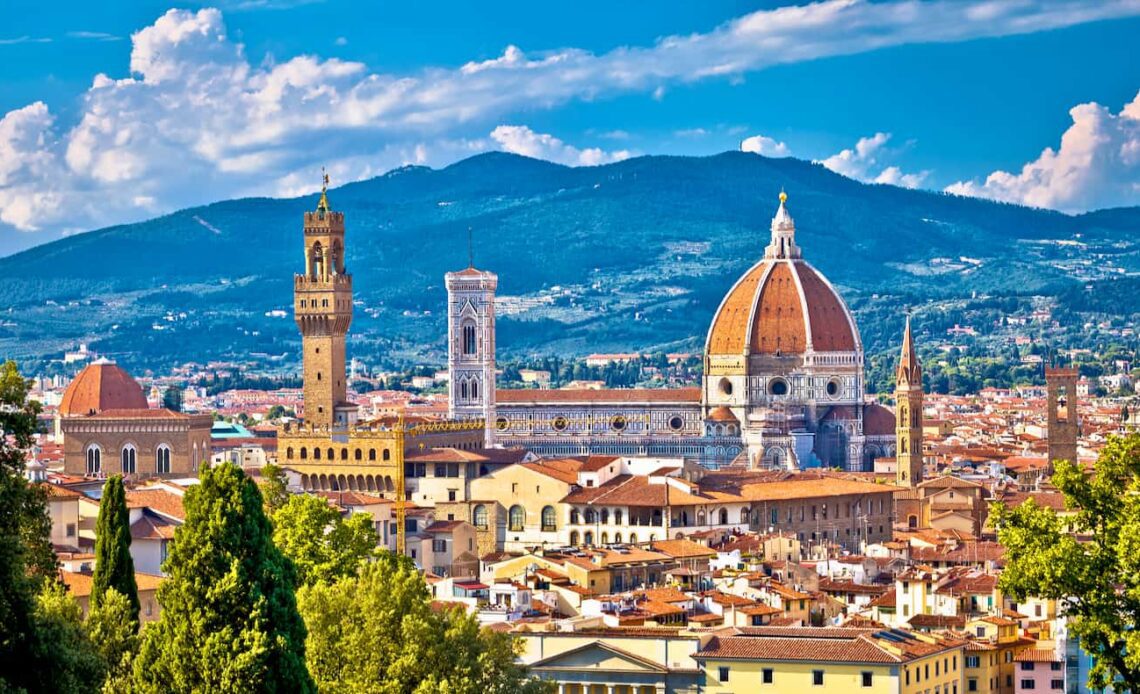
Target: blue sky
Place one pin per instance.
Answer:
(122, 112)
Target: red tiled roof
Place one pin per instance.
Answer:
(818, 644)
(101, 386)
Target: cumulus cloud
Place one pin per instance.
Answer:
(759, 144)
(195, 119)
(1097, 165)
(519, 139)
(867, 161)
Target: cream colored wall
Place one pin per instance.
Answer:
(515, 484)
(64, 512)
(746, 676)
(673, 652)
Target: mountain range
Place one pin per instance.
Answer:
(634, 255)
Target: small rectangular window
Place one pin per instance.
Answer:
(766, 675)
(1028, 684)
(867, 679)
(1057, 684)
(817, 678)
(71, 529)
(723, 674)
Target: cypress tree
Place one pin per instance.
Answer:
(27, 563)
(114, 566)
(229, 617)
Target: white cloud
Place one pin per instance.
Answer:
(691, 132)
(1097, 165)
(196, 119)
(867, 161)
(519, 139)
(759, 144)
(341, 41)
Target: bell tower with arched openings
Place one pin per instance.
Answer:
(322, 304)
(471, 346)
(908, 415)
(1061, 402)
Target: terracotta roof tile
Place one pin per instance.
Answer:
(101, 386)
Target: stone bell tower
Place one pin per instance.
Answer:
(471, 346)
(322, 304)
(1061, 401)
(908, 415)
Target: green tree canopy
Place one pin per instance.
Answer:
(377, 633)
(1095, 581)
(112, 627)
(114, 566)
(320, 542)
(229, 617)
(27, 562)
(273, 487)
(75, 663)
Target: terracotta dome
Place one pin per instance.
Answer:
(101, 386)
(878, 420)
(782, 305)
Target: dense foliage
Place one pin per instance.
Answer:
(378, 633)
(229, 617)
(27, 563)
(322, 545)
(1087, 559)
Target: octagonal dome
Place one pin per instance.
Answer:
(101, 386)
(782, 305)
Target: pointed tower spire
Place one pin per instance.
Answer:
(909, 369)
(783, 244)
(323, 203)
(908, 415)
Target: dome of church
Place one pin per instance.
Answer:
(878, 420)
(101, 386)
(782, 305)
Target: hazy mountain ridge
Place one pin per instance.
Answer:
(643, 251)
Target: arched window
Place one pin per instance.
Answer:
(590, 516)
(474, 390)
(162, 459)
(480, 517)
(912, 521)
(332, 456)
(633, 538)
(516, 518)
(128, 458)
(605, 516)
(574, 538)
(617, 518)
(344, 454)
(549, 519)
(387, 454)
(289, 453)
(575, 519)
(617, 538)
(469, 345)
(317, 453)
(463, 390)
(304, 453)
(372, 454)
(588, 538)
(94, 459)
(605, 539)
(724, 516)
(358, 454)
